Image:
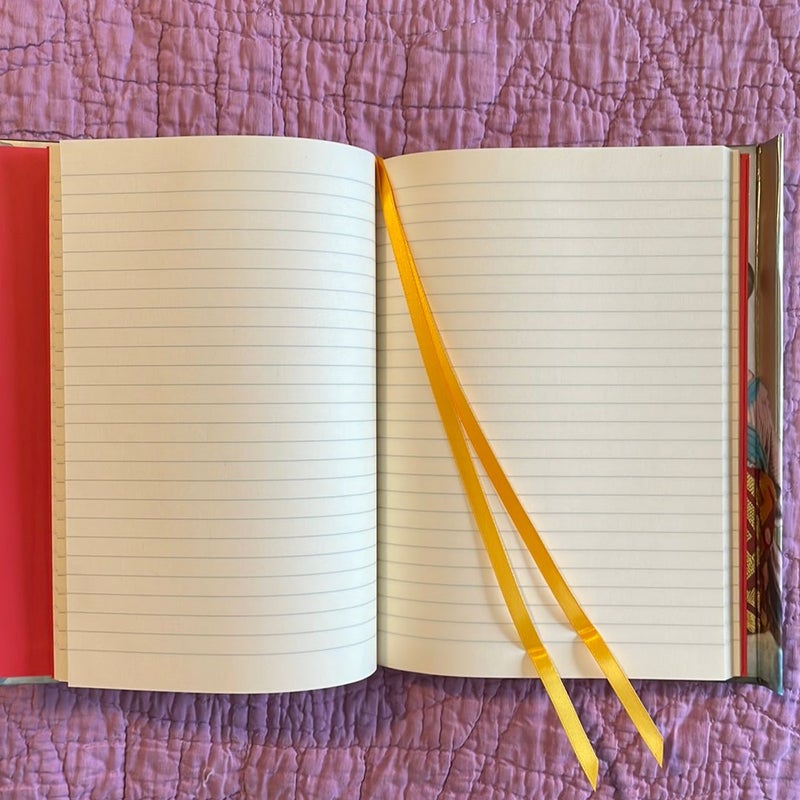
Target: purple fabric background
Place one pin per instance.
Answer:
(398, 77)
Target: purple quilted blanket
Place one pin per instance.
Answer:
(400, 76)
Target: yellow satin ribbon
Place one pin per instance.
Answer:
(457, 417)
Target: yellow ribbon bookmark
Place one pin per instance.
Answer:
(455, 411)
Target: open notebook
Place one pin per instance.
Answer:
(249, 495)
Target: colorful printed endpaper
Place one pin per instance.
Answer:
(761, 581)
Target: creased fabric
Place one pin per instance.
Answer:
(401, 77)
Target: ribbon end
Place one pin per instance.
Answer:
(591, 768)
(656, 747)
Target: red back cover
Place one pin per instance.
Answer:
(26, 624)
(744, 377)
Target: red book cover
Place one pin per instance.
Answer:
(26, 624)
(744, 249)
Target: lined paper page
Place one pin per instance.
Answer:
(584, 298)
(220, 413)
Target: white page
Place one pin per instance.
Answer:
(220, 413)
(583, 296)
